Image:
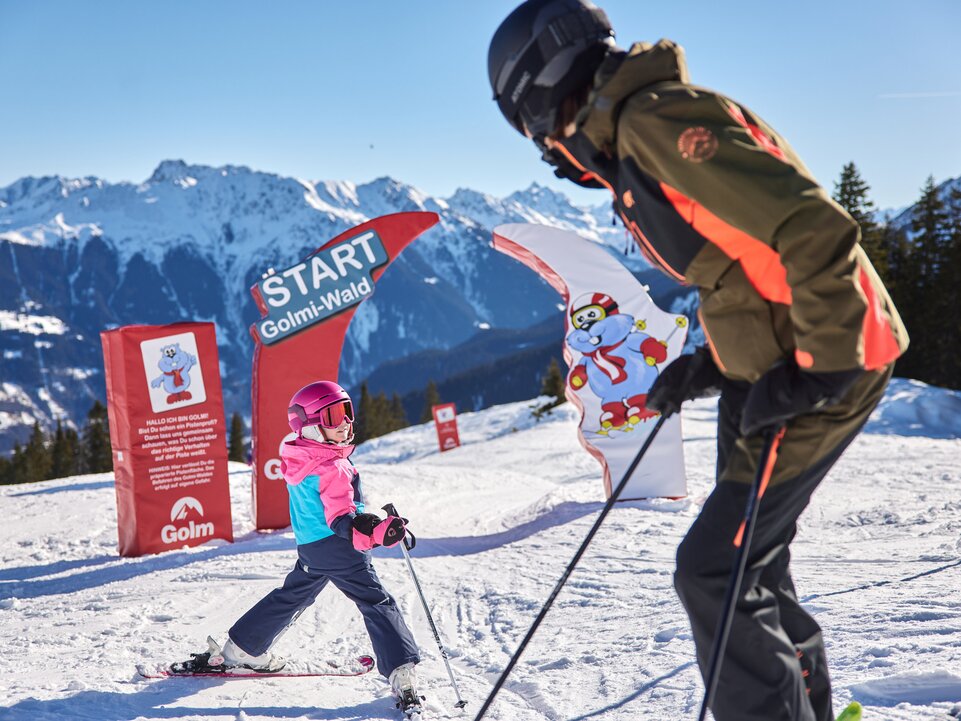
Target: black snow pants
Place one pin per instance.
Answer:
(775, 667)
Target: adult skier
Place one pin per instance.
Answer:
(800, 329)
(334, 537)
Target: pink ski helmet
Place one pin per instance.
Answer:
(323, 403)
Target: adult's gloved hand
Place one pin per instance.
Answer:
(370, 531)
(785, 392)
(688, 377)
(565, 169)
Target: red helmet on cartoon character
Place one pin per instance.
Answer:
(590, 308)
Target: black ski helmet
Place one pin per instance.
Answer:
(542, 52)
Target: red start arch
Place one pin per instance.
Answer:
(305, 313)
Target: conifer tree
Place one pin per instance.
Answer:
(922, 282)
(929, 311)
(73, 451)
(36, 457)
(57, 453)
(553, 383)
(97, 455)
(851, 193)
(16, 473)
(65, 452)
(930, 224)
(951, 289)
(236, 447)
(431, 399)
(398, 416)
(897, 252)
(362, 410)
(378, 421)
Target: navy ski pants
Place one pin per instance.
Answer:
(330, 560)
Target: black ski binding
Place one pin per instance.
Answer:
(410, 704)
(199, 663)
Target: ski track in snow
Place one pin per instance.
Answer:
(877, 560)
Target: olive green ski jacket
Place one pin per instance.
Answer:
(718, 200)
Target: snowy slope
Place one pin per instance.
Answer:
(877, 559)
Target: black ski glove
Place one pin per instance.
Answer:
(366, 522)
(688, 377)
(785, 392)
(565, 169)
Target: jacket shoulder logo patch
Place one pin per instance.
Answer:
(697, 144)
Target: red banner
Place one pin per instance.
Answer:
(168, 436)
(445, 421)
(306, 310)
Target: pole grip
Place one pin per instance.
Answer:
(391, 510)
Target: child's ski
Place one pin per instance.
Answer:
(198, 668)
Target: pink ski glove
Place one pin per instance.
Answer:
(370, 531)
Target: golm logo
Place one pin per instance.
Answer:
(192, 531)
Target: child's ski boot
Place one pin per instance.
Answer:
(232, 656)
(403, 684)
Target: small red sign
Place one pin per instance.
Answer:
(445, 420)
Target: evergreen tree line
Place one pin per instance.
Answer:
(69, 453)
(378, 416)
(921, 267)
(65, 453)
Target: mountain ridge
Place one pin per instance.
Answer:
(188, 243)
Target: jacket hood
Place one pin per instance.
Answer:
(302, 456)
(621, 75)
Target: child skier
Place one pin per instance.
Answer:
(334, 538)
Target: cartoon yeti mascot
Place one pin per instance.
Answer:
(175, 364)
(619, 361)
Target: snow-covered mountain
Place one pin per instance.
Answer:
(876, 561)
(901, 217)
(81, 255)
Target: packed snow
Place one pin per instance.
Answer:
(877, 560)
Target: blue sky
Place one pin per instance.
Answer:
(357, 90)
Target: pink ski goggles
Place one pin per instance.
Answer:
(333, 416)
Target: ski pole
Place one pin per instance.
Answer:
(570, 567)
(390, 509)
(765, 467)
